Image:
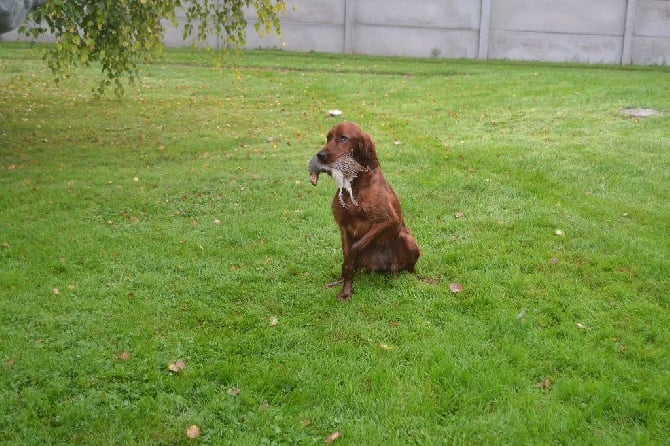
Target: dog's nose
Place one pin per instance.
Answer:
(322, 156)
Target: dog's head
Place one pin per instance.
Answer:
(344, 139)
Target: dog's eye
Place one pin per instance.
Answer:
(343, 138)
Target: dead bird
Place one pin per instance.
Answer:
(343, 170)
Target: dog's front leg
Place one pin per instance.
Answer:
(375, 231)
(347, 266)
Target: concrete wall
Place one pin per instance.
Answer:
(566, 30)
(591, 31)
(651, 33)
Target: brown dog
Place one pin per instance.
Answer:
(374, 235)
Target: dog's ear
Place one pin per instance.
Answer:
(364, 151)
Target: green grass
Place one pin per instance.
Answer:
(179, 224)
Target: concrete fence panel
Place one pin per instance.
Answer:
(592, 31)
(450, 14)
(447, 28)
(308, 25)
(651, 34)
(593, 17)
(547, 30)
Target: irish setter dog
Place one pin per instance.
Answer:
(367, 211)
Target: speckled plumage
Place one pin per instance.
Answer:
(343, 170)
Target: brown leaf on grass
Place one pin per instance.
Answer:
(177, 366)
(234, 391)
(332, 437)
(55, 291)
(193, 431)
(545, 384)
(455, 287)
(125, 356)
(430, 280)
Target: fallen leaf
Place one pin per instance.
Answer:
(581, 326)
(560, 232)
(177, 366)
(10, 363)
(332, 437)
(455, 287)
(553, 261)
(384, 346)
(193, 431)
(545, 384)
(125, 356)
(430, 280)
(55, 291)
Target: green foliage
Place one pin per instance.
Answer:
(180, 224)
(120, 34)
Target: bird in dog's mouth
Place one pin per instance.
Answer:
(343, 170)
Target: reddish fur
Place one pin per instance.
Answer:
(374, 235)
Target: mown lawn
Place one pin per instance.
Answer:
(178, 224)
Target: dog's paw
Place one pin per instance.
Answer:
(344, 297)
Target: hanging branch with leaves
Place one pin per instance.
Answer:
(122, 34)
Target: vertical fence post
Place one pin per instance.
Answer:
(484, 27)
(628, 32)
(349, 6)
